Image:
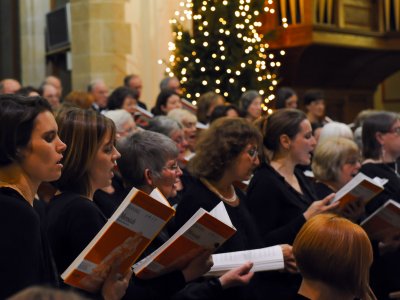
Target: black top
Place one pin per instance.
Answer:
(246, 236)
(108, 203)
(385, 271)
(25, 257)
(72, 222)
(392, 187)
(276, 206)
(322, 190)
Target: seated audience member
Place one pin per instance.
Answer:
(286, 97)
(290, 199)
(220, 111)
(206, 105)
(9, 86)
(381, 149)
(334, 256)
(149, 160)
(123, 98)
(73, 219)
(134, 82)
(79, 99)
(335, 129)
(50, 93)
(227, 152)
(171, 83)
(28, 91)
(250, 104)
(314, 101)
(335, 162)
(167, 100)
(30, 153)
(99, 90)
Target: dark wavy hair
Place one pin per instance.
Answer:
(218, 146)
(17, 120)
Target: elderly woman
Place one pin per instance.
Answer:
(381, 149)
(250, 104)
(227, 152)
(124, 122)
(174, 130)
(188, 121)
(334, 256)
(149, 160)
(335, 129)
(335, 162)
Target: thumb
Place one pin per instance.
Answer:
(245, 268)
(328, 198)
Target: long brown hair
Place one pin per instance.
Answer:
(83, 131)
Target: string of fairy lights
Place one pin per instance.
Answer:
(246, 24)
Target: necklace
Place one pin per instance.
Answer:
(232, 200)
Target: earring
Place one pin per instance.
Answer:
(383, 153)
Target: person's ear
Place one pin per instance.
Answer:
(285, 141)
(148, 176)
(379, 137)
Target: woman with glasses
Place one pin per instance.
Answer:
(381, 149)
(225, 153)
(149, 160)
(280, 197)
(335, 162)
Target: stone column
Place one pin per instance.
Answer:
(33, 51)
(101, 40)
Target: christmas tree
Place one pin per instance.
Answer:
(222, 52)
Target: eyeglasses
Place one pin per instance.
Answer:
(395, 130)
(353, 161)
(174, 167)
(253, 152)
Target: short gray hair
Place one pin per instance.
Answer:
(180, 114)
(164, 125)
(119, 117)
(144, 150)
(93, 84)
(335, 130)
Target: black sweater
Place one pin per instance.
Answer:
(25, 257)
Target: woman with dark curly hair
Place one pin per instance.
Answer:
(225, 153)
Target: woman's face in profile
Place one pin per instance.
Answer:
(349, 169)
(254, 109)
(169, 180)
(303, 144)
(41, 159)
(173, 102)
(102, 168)
(245, 163)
